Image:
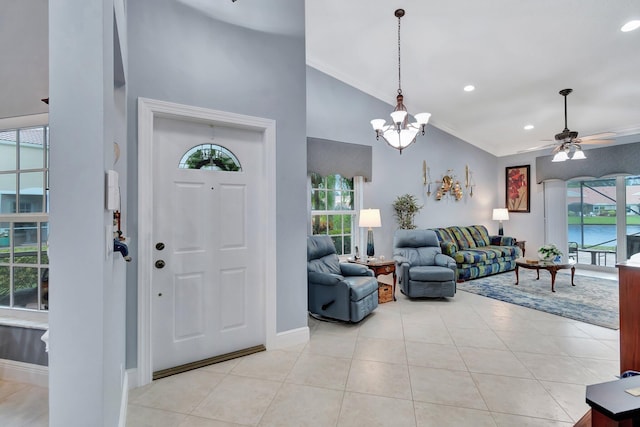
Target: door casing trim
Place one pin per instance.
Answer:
(148, 110)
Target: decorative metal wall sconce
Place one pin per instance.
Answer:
(426, 177)
(449, 187)
(468, 180)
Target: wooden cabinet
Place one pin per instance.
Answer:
(629, 285)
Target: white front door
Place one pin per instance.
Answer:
(207, 286)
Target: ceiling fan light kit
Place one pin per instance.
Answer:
(400, 133)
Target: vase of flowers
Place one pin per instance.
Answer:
(549, 252)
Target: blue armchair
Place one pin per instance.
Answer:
(342, 291)
(422, 269)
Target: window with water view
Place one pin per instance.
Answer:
(593, 220)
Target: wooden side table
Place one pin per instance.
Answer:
(381, 268)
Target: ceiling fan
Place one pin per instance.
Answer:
(567, 140)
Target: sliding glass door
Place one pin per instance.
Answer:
(597, 210)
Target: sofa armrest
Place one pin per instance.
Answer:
(446, 261)
(503, 240)
(448, 248)
(327, 279)
(352, 269)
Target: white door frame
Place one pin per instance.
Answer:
(148, 110)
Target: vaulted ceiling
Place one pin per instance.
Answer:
(518, 55)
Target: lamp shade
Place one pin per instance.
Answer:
(500, 214)
(369, 218)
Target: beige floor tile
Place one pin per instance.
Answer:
(140, 416)
(26, 406)
(239, 400)
(301, 406)
(507, 420)
(434, 333)
(480, 338)
(430, 415)
(463, 319)
(599, 332)
(222, 367)
(490, 361)
(531, 342)
(380, 350)
(557, 368)
(269, 365)
(570, 396)
(336, 328)
(604, 370)
(9, 387)
(445, 387)
(362, 410)
(382, 379)
(331, 345)
(179, 393)
(382, 325)
(320, 371)
(434, 356)
(518, 396)
(191, 421)
(587, 347)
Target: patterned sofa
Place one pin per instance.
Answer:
(477, 253)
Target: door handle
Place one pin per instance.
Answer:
(160, 263)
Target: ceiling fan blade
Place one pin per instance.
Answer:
(603, 135)
(594, 141)
(536, 148)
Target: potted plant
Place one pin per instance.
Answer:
(549, 252)
(405, 209)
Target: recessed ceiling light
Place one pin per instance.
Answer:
(630, 26)
(528, 127)
(469, 88)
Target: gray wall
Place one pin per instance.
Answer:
(179, 55)
(340, 112)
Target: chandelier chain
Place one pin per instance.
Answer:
(399, 80)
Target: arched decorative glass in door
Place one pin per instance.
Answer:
(210, 157)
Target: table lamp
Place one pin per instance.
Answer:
(370, 218)
(500, 214)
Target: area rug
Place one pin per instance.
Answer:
(591, 300)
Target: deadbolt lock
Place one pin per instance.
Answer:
(160, 263)
(159, 246)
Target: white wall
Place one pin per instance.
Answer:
(86, 317)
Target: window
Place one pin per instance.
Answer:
(211, 157)
(596, 225)
(24, 219)
(334, 207)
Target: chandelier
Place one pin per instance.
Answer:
(400, 133)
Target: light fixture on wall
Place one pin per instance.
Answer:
(370, 218)
(500, 214)
(400, 133)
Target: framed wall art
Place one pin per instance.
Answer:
(517, 191)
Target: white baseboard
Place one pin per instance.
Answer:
(27, 373)
(290, 338)
(124, 400)
(132, 378)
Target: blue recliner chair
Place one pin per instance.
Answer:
(342, 291)
(422, 269)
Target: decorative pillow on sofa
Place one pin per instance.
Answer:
(480, 235)
(463, 237)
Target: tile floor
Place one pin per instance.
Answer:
(466, 361)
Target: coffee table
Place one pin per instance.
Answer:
(551, 267)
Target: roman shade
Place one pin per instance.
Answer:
(607, 161)
(326, 157)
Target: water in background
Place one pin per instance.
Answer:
(596, 234)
